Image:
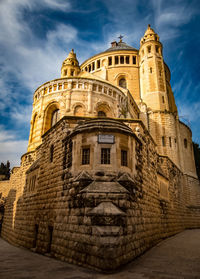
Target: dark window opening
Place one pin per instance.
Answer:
(124, 161)
(185, 143)
(109, 61)
(51, 153)
(134, 59)
(85, 156)
(50, 236)
(105, 156)
(163, 99)
(157, 49)
(122, 82)
(116, 60)
(127, 60)
(121, 59)
(163, 141)
(65, 73)
(72, 73)
(89, 68)
(170, 141)
(150, 70)
(67, 163)
(93, 66)
(149, 49)
(101, 113)
(98, 64)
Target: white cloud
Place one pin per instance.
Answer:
(10, 148)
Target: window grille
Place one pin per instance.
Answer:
(124, 161)
(105, 155)
(85, 156)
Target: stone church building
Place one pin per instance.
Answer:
(109, 170)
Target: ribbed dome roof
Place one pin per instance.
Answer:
(120, 46)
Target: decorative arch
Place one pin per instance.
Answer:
(120, 75)
(122, 82)
(51, 116)
(103, 110)
(33, 128)
(79, 109)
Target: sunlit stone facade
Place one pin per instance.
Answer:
(109, 169)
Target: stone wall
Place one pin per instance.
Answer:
(99, 217)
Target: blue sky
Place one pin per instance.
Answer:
(36, 36)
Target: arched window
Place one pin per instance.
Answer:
(122, 82)
(55, 117)
(101, 113)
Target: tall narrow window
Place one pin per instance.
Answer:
(116, 60)
(157, 49)
(51, 153)
(72, 73)
(134, 59)
(124, 161)
(149, 49)
(121, 59)
(163, 141)
(85, 156)
(109, 61)
(127, 60)
(89, 68)
(55, 117)
(93, 66)
(163, 99)
(150, 70)
(122, 82)
(170, 141)
(185, 143)
(105, 155)
(98, 64)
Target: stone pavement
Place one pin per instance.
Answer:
(177, 257)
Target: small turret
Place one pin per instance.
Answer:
(70, 66)
(150, 35)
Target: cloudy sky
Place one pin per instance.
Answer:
(36, 36)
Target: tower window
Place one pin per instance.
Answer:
(89, 68)
(55, 117)
(163, 99)
(98, 64)
(109, 61)
(122, 83)
(51, 153)
(134, 58)
(163, 141)
(85, 156)
(170, 141)
(72, 73)
(105, 156)
(65, 73)
(157, 49)
(127, 60)
(124, 161)
(185, 143)
(116, 60)
(149, 49)
(150, 70)
(121, 59)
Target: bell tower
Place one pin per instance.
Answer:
(152, 72)
(70, 66)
